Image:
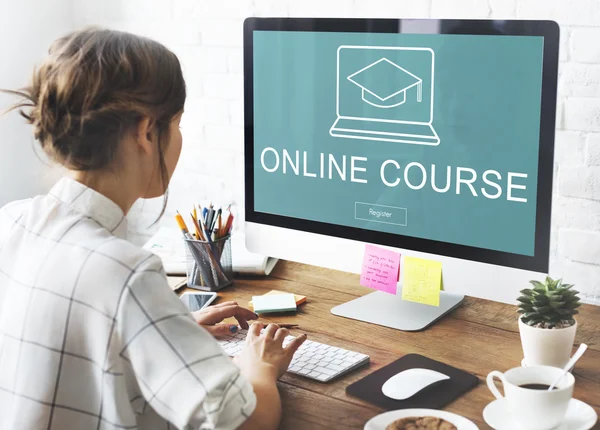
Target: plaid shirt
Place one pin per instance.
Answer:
(91, 336)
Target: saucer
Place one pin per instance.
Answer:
(381, 421)
(524, 364)
(579, 416)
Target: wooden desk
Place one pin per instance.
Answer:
(479, 337)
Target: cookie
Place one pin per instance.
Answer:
(421, 423)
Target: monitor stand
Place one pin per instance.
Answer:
(391, 311)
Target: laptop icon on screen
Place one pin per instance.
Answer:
(385, 94)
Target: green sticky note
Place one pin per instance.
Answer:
(422, 281)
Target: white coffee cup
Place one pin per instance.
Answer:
(534, 409)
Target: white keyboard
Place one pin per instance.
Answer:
(313, 359)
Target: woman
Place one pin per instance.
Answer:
(91, 335)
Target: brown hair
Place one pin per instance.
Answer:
(95, 85)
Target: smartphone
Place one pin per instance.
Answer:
(196, 300)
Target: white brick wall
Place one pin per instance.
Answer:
(580, 246)
(583, 45)
(207, 36)
(580, 80)
(593, 150)
(569, 148)
(582, 113)
(578, 182)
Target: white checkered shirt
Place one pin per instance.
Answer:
(92, 337)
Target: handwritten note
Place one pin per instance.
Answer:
(422, 281)
(380, 269)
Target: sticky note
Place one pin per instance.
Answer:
(274, 303)
(422, 281)
(380, 269)
(299, 299)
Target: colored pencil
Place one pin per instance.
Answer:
(182, 226)
(199, 234)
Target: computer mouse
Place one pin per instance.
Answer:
(409, 382)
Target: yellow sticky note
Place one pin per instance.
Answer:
(422, 281)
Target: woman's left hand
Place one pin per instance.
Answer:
(210, 318)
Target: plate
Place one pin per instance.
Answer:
(579, 416)
(381, 421)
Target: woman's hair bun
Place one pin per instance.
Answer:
(95, 85)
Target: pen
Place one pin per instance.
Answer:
(219, 222)
(213, 221)
(209, 218)
(280, 325)
(202, 219)
(211, 212)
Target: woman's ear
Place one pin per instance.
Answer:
(144, 135)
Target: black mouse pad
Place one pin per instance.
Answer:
(433, 397)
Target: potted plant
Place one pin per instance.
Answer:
(547, 324)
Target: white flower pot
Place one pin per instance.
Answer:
(547, 347)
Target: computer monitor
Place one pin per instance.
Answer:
(434, 138)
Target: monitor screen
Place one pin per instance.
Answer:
(433, 137)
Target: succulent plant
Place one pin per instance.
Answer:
(551, 304)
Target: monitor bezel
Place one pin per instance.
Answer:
(549, 30)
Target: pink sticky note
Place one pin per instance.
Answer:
(380, 269)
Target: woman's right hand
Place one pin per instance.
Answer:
(264, 355)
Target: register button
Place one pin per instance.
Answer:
(380, 213)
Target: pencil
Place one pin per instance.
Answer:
(188, 236)
(199, 234)
(229, 225)
(182, 226)
(204, 229)
(219, 223)
(224, 227)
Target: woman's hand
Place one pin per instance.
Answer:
(264, 357)
(262, 361)
(211, 317)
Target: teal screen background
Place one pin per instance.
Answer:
(486, 112)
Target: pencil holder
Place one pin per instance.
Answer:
(208, 264)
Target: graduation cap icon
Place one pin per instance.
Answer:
(384, 84)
